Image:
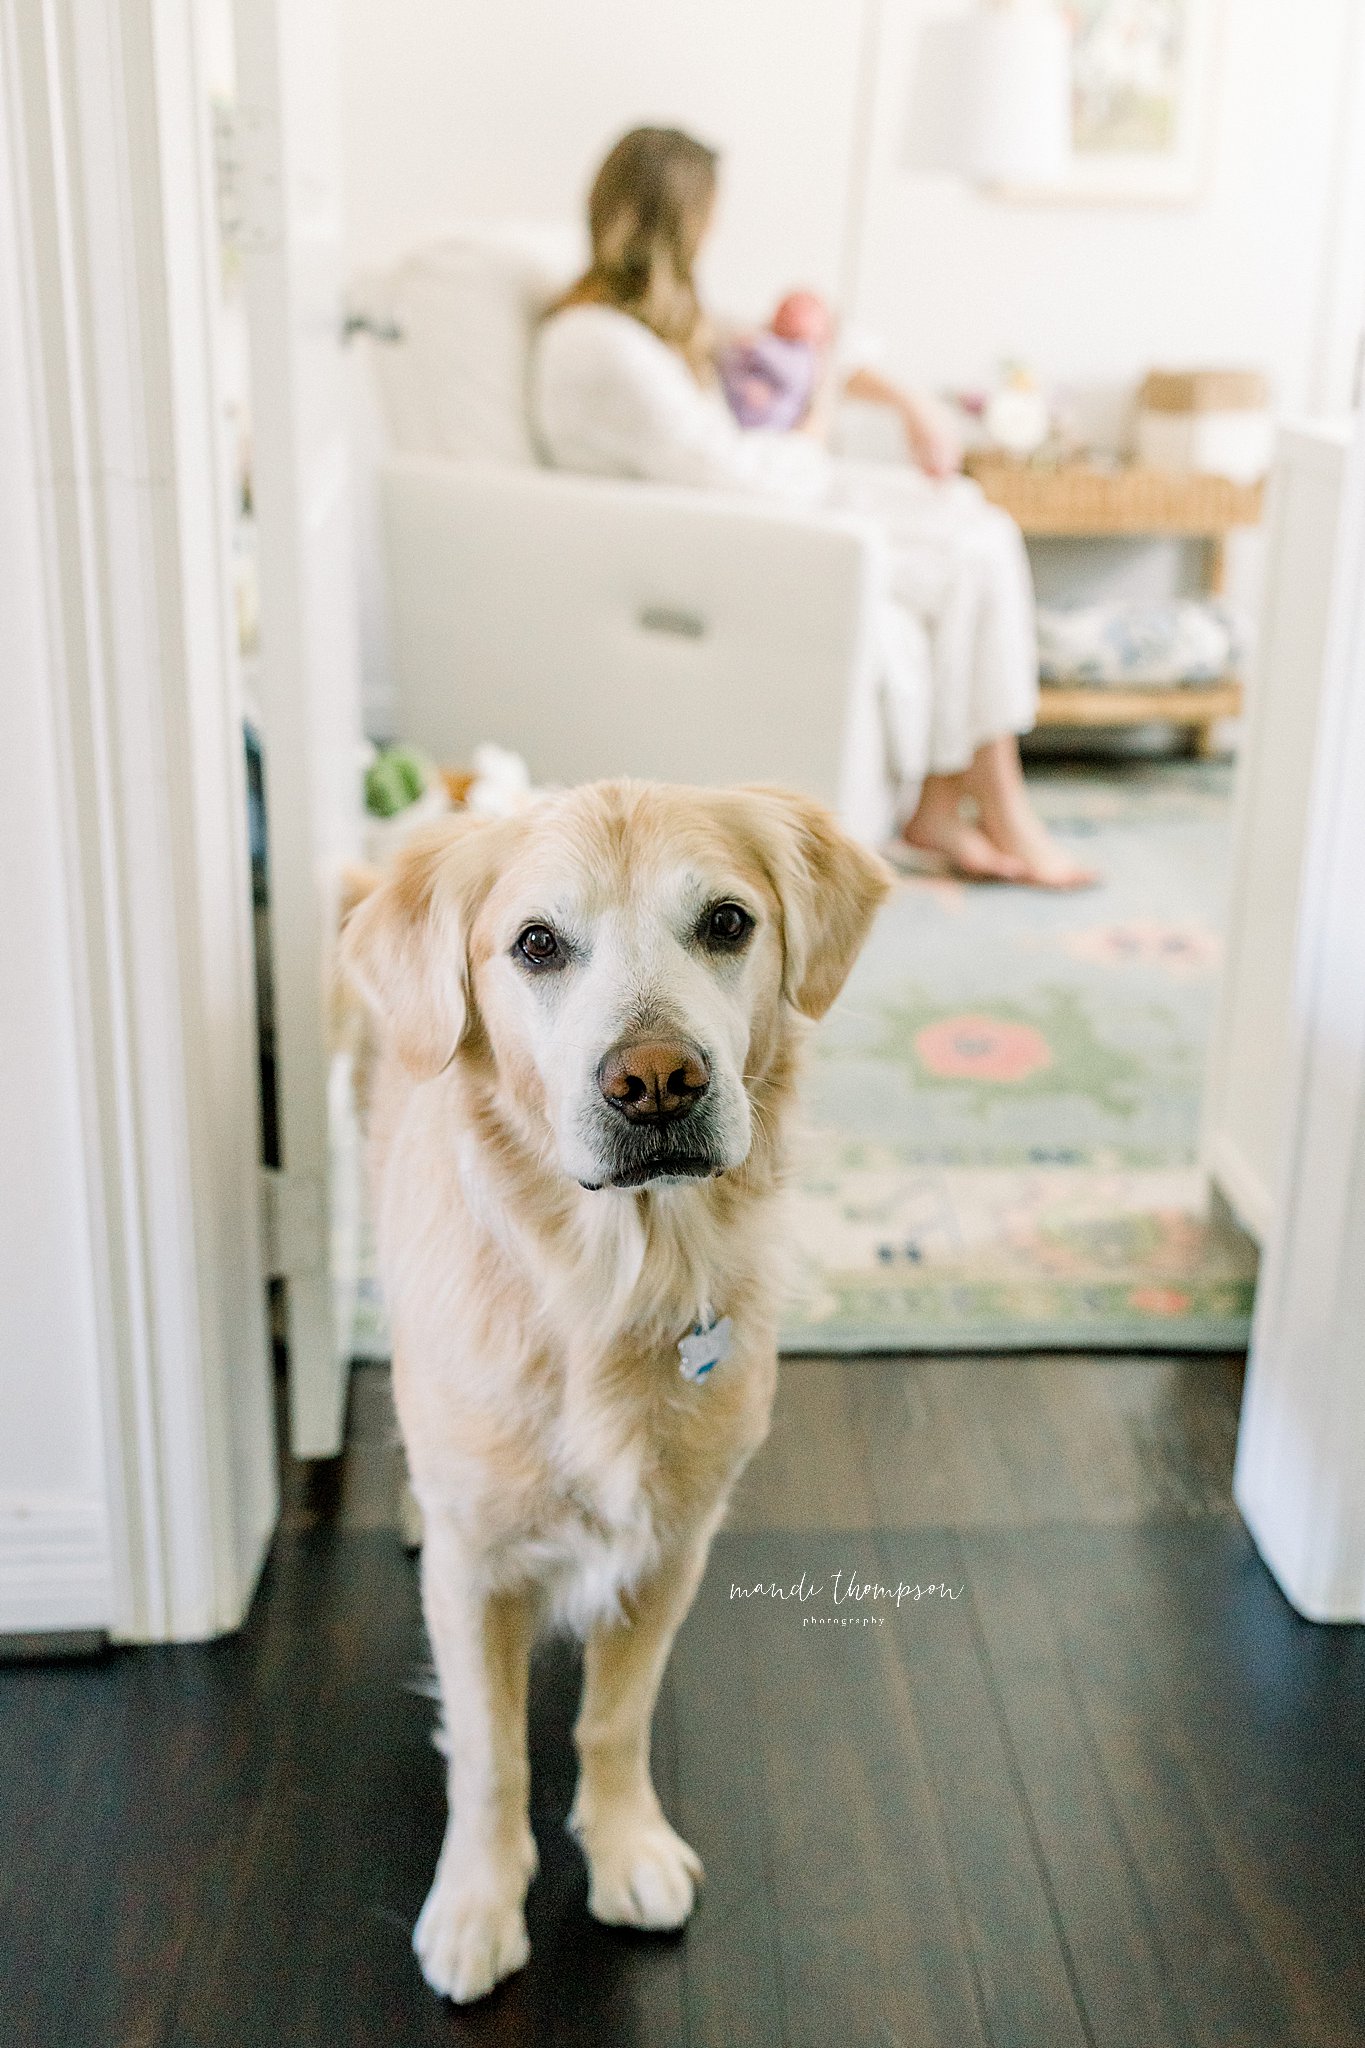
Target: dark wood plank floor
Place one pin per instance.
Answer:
(1106, 1789)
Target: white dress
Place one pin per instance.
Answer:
(959, 660)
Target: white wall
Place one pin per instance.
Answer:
(54, 1568)
(49, 1406)
(458, 110)
(1096, 294)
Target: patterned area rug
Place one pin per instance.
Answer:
(1004, 1103)
(1003, 1106)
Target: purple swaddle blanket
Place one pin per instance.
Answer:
(767, 382)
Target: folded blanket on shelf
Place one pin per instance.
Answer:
(1140, 643)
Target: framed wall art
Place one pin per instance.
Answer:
(1142, 98)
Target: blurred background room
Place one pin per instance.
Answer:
(1111, 269)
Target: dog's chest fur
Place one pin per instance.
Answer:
(627, 1471)
(562, 1431)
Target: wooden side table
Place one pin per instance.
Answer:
(1083, 501)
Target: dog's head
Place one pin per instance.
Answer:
(624, 961)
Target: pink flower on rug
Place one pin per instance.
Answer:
(978, 1048)
(1178, 948)
(1161, 1301)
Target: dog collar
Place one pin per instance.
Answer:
(705, 1345)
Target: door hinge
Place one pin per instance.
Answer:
(247, 179)
(294, 1217)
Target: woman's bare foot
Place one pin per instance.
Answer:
(1011, 825)
(938, 827)
(1022, 836)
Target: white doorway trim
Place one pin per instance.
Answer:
(307, 683)
(1300, 1479)
(106, 128)
(1338, 369)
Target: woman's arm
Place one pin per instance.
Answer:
(933, 443)
(816, 421)
(611, 399)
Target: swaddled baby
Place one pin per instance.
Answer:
(770, 378)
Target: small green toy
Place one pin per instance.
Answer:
(395, 779)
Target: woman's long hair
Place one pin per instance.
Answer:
(647, 213)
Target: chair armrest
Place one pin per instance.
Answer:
(605, 627)
(557, 497)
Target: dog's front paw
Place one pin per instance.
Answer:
(468, 1941)
(640, 1872)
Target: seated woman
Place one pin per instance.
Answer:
(624, 385)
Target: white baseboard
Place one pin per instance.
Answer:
(1242, 1187)
(54, 1567)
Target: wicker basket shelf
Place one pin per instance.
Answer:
(1196, 706)
(1078, 498)
(1081, 499)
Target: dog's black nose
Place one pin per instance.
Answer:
(654, 1080)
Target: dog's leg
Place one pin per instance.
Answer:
(472, 1931)
(641, 1874)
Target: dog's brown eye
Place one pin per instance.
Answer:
(539, 946)
(727, 925)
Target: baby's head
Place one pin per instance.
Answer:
(804, 316)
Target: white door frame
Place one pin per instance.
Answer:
(106, 128)
(1300, 1479)
(288, 158)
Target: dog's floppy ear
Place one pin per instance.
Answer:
(404, 946)
(829, 888)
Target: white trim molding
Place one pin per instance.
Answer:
(1300, 1476)
(54, 1568)
(1248, 1075)
(1239, 1180)
(107, 134)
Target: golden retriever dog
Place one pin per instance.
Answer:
(591, 1019)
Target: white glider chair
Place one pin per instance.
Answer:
(599, 628)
